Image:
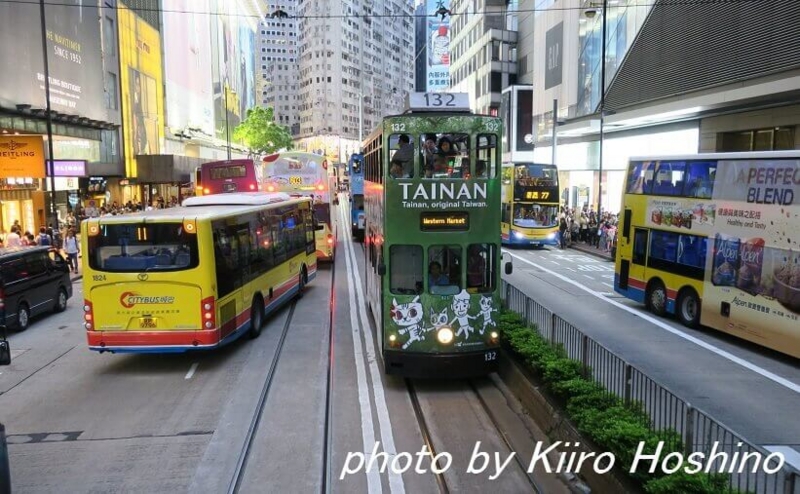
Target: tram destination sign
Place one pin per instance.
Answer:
(442, 221)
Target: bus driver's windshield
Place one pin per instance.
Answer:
(535, 215)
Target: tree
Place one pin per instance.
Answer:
(261, 134)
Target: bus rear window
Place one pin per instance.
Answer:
(223, 172)
(133, 248)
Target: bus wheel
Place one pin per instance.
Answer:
(303, 281)
(256, 317)
(657, 298)
(689, 308)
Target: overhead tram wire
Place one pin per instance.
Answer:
(650, 3)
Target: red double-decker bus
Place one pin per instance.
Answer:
(240, 175)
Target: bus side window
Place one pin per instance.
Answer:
(639, 246)
(700, 179)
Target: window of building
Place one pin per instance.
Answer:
(109, 36)
(111, 90)
(774, 138)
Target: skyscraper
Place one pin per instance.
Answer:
(276, 64)
(351, 51)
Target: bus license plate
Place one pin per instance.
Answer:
(229, 187)
(147, 323)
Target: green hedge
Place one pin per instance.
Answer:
(602, 416)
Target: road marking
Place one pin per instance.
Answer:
(607, 284)
(708, 346)
(587, 276)
(367, 427)
(557, 264)
(191, 370)
(571, 269)
(396, 484)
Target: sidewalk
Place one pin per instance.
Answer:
(591, 250)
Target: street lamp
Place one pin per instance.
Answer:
(591, 13)
(50, 163)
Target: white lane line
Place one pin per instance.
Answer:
(557, 264)
(607, 284)
(191, 370)
(590, 277)
(708, 346)
(571, 269)
(367, 427)
(396, 484)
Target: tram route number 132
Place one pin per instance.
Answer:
(490, 356)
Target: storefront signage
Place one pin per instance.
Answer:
(69, 168)
(22, 156)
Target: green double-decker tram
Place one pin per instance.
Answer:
(432, 237)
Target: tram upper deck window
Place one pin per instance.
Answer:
(445, 155)
(487, 156)
(401, 152)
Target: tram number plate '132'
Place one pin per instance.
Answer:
(147, 323)
(490, 356)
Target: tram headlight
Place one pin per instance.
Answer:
(494, 335)
(445, 336)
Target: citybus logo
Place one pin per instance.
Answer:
(129, 299)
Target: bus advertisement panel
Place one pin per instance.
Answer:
(219, 177)
(304, 174)
(194, 277)
(713, 240)
(530, 204)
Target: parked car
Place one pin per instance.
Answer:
(33, 281)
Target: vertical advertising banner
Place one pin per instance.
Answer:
(142, 82)
(233, 66)
(554, 56)
(438, 39)
(73, 54)
(187, 54)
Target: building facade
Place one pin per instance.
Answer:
(277, 64)
(355, 67)
(81, 65)
(483, 51)
(679, 79)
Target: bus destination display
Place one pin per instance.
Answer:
(439, 221)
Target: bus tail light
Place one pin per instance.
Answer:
(252, 186)
(270, 188)
(330, 239)
(88, 315)
(209, 313)
(206, 191)
(320, 187)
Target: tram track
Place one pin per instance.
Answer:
(502, 435)
(427, 438)
(241, 463)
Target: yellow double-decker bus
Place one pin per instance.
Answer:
(530, 205)
(713, 239)
(197, 276)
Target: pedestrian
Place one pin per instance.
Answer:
(72, 249)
